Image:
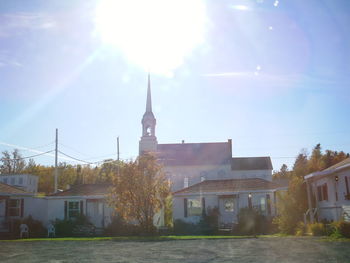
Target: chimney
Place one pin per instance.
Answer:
(183, 141)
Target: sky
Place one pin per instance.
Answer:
(273, 76)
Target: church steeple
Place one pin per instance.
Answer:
(149, 97)
(148, 142)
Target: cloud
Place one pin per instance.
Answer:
(17, 23)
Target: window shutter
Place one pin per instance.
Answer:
(268, 203)
(65, 210)
(203, 207)
(347, 185)
(185, 207)
(22, 207)
(81, 207)
(6, 207)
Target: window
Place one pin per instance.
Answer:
(185, 182)
(73, 209)
(20, 181)
(5, 180)
(229, 205)
(14, 207)
(13, 181)
(322, 192)
(194, 207)
(262, 204)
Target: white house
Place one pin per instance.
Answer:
(229, 196)
(27, 182)
(329, 193)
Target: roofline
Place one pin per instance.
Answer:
(187, 143)
(220, 180)
(76, 196)
(327, 172)
(22, 194)
(233, 192)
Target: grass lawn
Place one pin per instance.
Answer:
(177, 249)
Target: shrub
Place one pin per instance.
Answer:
(252, 222)
(70, 227)
(344, 228)
(118, 227)
(207, 225)
(317, 229)
(300, 229)
(36, 228)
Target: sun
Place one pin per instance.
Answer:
(155, 35)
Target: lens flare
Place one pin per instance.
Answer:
(156, 35)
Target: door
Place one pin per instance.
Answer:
(228, 213)
(94, 211)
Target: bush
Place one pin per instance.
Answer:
(317, 229)
(207, 225)
(72, 227)
(118, 227)
(344, 228)
(252, 222)
(36, 228)
(300, 229)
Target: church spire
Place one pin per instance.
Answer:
(148, 142)
(149, 98)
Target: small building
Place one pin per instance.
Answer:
(13, 203)
(85, 199)
(329, 193)
(228, 196)
(27, 182)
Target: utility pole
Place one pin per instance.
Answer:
(118, 148)
(56, 169)
(118, 155)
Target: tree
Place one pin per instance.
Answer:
(300, 167)
(12, 163)
(139, 191)
(316, 161)
(283, 173)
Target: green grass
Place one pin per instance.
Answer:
(128, 238)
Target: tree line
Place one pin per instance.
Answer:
(13, 163)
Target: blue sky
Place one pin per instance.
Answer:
(271, 75)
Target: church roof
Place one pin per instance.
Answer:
(85, 190)
(251, 163)
(229, 185)
(217, 153)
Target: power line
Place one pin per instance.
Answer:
(76, 159)
(22, 158)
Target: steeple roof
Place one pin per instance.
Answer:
(149, 98)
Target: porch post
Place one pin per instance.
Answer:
(309, 201)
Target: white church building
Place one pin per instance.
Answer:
(206, 175)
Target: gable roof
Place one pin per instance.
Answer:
(338, 165)
(216, 153)
(345, 164)
(85, 190)
(229, 185)
(251, 163)
(6, 189)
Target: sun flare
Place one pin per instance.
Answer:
(156, 35)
